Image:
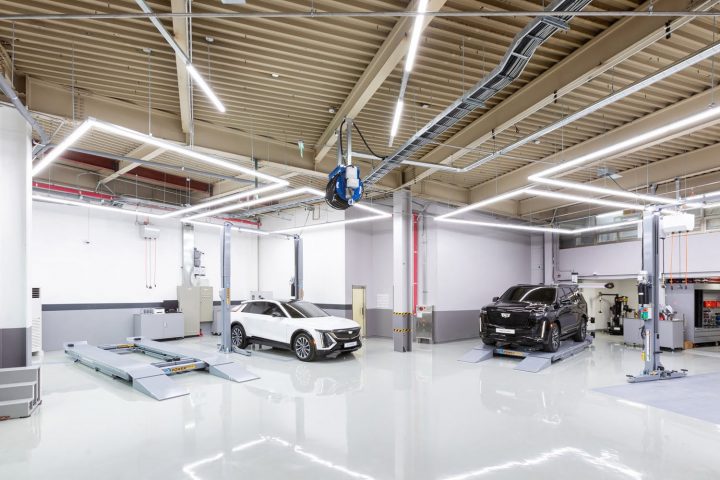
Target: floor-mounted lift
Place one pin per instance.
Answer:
(649, 283)
(152, 379)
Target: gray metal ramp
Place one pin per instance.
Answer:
(146, 378)
(218, 365)
(532, 361)
(478, 354)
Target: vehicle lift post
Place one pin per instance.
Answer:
(225, 249)
(649, 300)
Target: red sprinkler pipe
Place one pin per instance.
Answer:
(241, 220)
(73, 191)
(415, 262)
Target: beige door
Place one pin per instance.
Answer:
(358, 307)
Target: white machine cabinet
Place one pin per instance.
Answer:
(159, 326)
(196, 303)
(670, 332)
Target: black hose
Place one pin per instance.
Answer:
(342, 152)
(362, 137)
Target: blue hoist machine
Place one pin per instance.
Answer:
(344, 187)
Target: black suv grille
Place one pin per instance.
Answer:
(350, 334)
(515, 320)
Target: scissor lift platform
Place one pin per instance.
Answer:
(152, 379)
(532, 360)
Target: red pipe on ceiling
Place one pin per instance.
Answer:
(73, 191)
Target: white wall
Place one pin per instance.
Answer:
(87, 256)
(474, 264)
(613, 259)
(324, 256)
(625, 258)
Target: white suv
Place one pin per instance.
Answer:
(297, 325)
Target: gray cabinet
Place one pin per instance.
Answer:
(671, 333)
(159, 326)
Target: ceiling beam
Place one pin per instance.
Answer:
(143, 152)
(390, 53)
(519, 178)
(180, 33)
(56, 100)
(140, 172)
(696, 163)
(622, 40)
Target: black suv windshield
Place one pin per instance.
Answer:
(304, 310)
(529, 293)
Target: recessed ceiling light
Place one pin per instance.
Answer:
(536, 142)
(424, 105)
(275, 75)
(331, 110)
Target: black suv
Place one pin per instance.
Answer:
(536, 316)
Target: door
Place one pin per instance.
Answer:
(274, 324)
(358, 307)
(567, 312)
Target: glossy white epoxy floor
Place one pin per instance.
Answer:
(377, 415)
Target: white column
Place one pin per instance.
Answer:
(402, 270)
(15, 221)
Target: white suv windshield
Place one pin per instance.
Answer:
(304, 310)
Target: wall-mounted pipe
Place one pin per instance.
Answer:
(10, 92)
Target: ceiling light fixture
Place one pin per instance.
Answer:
(508, 226)
(226, 199)
(257, 201)
(415, 36)
(146, 139)
(579, 199)
(62, 146)
(606, 191)
(275, 75)
(482, 203)
(636, 140)
(396, 119)
(377, 215)
(197, 78)
(532, 228)
(105, 208)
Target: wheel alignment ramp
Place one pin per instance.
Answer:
(532, 361)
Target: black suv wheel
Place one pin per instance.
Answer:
(553, 341)
(581, 332)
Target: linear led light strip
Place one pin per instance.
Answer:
(104, 208)
(541, 193)
(540, 177)
(608, 100)
(605, 191)
(637, 140)
(197, 78)
(409, 63)
(92, 123)
(530, 228)
(257, 201)
(378, 215)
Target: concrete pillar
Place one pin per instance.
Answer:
(15, 218)
(402, 270)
